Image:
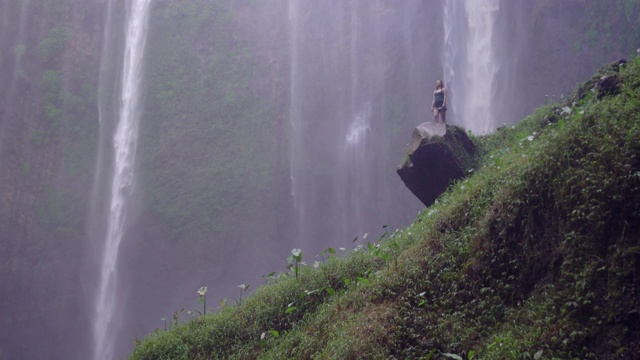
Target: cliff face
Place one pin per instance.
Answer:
(214, 150)
(553, 45)
(48, 129)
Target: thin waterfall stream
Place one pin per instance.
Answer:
(124, 145)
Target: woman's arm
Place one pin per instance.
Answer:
(433, 101)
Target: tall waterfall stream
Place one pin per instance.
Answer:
(124, 145)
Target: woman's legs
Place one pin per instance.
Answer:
(442, 113)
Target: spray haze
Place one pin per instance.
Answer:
(341, 166)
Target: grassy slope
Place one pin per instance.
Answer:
(536, 255)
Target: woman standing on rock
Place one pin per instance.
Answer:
(439, 103)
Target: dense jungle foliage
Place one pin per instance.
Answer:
(533, 256)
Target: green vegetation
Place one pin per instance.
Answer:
(534, 256)
(599, 29)
(54, 44)
(207, 149)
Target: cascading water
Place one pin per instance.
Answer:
(325, 145)
(470, 63)
(358, 167)
(295, 107)
(124, 144)
(343, 110)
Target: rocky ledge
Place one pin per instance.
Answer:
(438, 154)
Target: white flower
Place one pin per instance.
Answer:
(364, 236)
(243, 286)
(202, 291)
(530, 138)
(316, 264)
(296, 252)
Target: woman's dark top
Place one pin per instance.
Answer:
(439, 98)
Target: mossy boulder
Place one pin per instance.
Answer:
(603, 83)
(438, 154)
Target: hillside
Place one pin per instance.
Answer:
(536, 255)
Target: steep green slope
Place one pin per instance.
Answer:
(536, 255)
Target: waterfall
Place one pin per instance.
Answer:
(345, 107)
(295, 109)
(358, 168)
(470, 63)
(323, 125)
(124, 145)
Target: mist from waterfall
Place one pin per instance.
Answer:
(343, 108)
(295, 108)
(124, 144)
(359, 168)
(18, 49)
(470, 63)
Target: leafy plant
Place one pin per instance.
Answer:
(294, 260)
(243, 289)
(202, 295)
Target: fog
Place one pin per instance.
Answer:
(149, 148)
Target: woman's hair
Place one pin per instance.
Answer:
(441, 83)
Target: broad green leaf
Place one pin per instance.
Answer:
(364, 281)
(330, 291)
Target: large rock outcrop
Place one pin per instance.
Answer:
(437, 155)
(605, 82)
